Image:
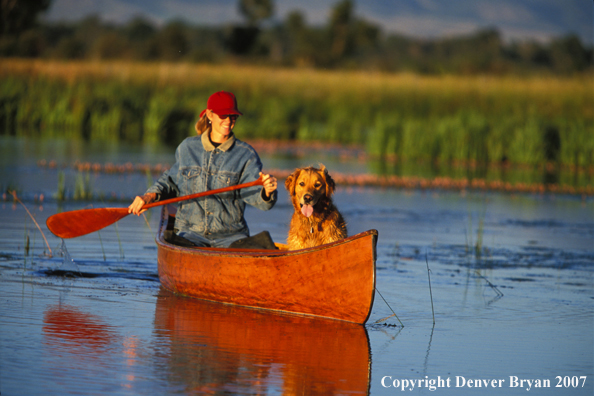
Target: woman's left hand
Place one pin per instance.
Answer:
(270, 184)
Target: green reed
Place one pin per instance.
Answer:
(16, 199)
(61, 191)
(400, 117)
(473, 246)
(82, 188)
(27, 240)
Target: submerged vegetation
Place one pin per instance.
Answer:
(395, 117)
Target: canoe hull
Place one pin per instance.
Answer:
(335, 281)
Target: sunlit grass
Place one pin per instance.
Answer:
(485, 119)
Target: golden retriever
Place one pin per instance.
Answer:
(316, 220)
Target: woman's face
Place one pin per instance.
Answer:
(222, 126)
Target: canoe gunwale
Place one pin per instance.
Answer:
(251, 252)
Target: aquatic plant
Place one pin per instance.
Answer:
(119, 242)
(26, 241)
(16, 199)
(9, 190)
(149, 177)
(61, 191)
(82, 188)
(147, 221)
(430, 291)
(471, 245)
(476, 120)
(478, 247)
(388, 317)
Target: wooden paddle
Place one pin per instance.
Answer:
(82, 222)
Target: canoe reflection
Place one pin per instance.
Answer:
(216, 348)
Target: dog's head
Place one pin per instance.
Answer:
(310, 189)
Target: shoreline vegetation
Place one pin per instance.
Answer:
(342, 179)
(543, 123)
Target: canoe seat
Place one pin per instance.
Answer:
(263, 240)
(173, 238)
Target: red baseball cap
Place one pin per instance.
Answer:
(222, 103)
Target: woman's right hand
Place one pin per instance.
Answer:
(140, 201)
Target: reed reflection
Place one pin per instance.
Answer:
(212, 347)
(67, 328)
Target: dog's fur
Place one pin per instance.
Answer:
(313, 186)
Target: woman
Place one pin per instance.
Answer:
(213, 159)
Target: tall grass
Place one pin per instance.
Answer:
(402, 116)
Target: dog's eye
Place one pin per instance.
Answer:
(301, 184)
(318, 184)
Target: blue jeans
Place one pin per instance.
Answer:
(202, 241)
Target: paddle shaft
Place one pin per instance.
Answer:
(257, 182)
(81, 222)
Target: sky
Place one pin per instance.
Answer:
(538, 20)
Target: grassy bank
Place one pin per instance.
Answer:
(445, 119)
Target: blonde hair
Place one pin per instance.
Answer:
(203, 124)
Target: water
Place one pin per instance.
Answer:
(93, 319)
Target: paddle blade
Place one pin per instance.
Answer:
(82, 222)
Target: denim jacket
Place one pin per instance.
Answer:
(200, 166)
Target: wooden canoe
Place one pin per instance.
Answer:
(336, 280)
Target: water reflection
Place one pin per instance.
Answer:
(215, 348)
(68, 329)
(83, 351)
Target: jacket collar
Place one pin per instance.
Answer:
(223, 147)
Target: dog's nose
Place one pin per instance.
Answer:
(307, 198)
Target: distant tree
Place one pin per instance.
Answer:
(31, 43)
(340, 29)
(172, 41)
(141, 34)
(300, 49)
(20, 15)
(241, 40)
(110, 46)
(344, 41)
(256, 11)
(295, 22)
(69, 48)
(569, 55)
(139, 29)
(350, 35)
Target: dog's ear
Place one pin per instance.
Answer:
(330, 185)
(290, 182)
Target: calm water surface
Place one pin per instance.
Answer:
(92, 319)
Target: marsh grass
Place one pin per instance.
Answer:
(101, 243)
(82, 187)
(430, 291)
(476, 246)
(146, 220)
(61, 191)
(149, 178)
(439, 119)
(26, 240)
(381, 320)
(122, 257)
(16, 199)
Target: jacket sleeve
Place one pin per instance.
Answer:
(255, 195)
(166, 186)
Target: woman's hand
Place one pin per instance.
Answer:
(140, 201)
(270, 184)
